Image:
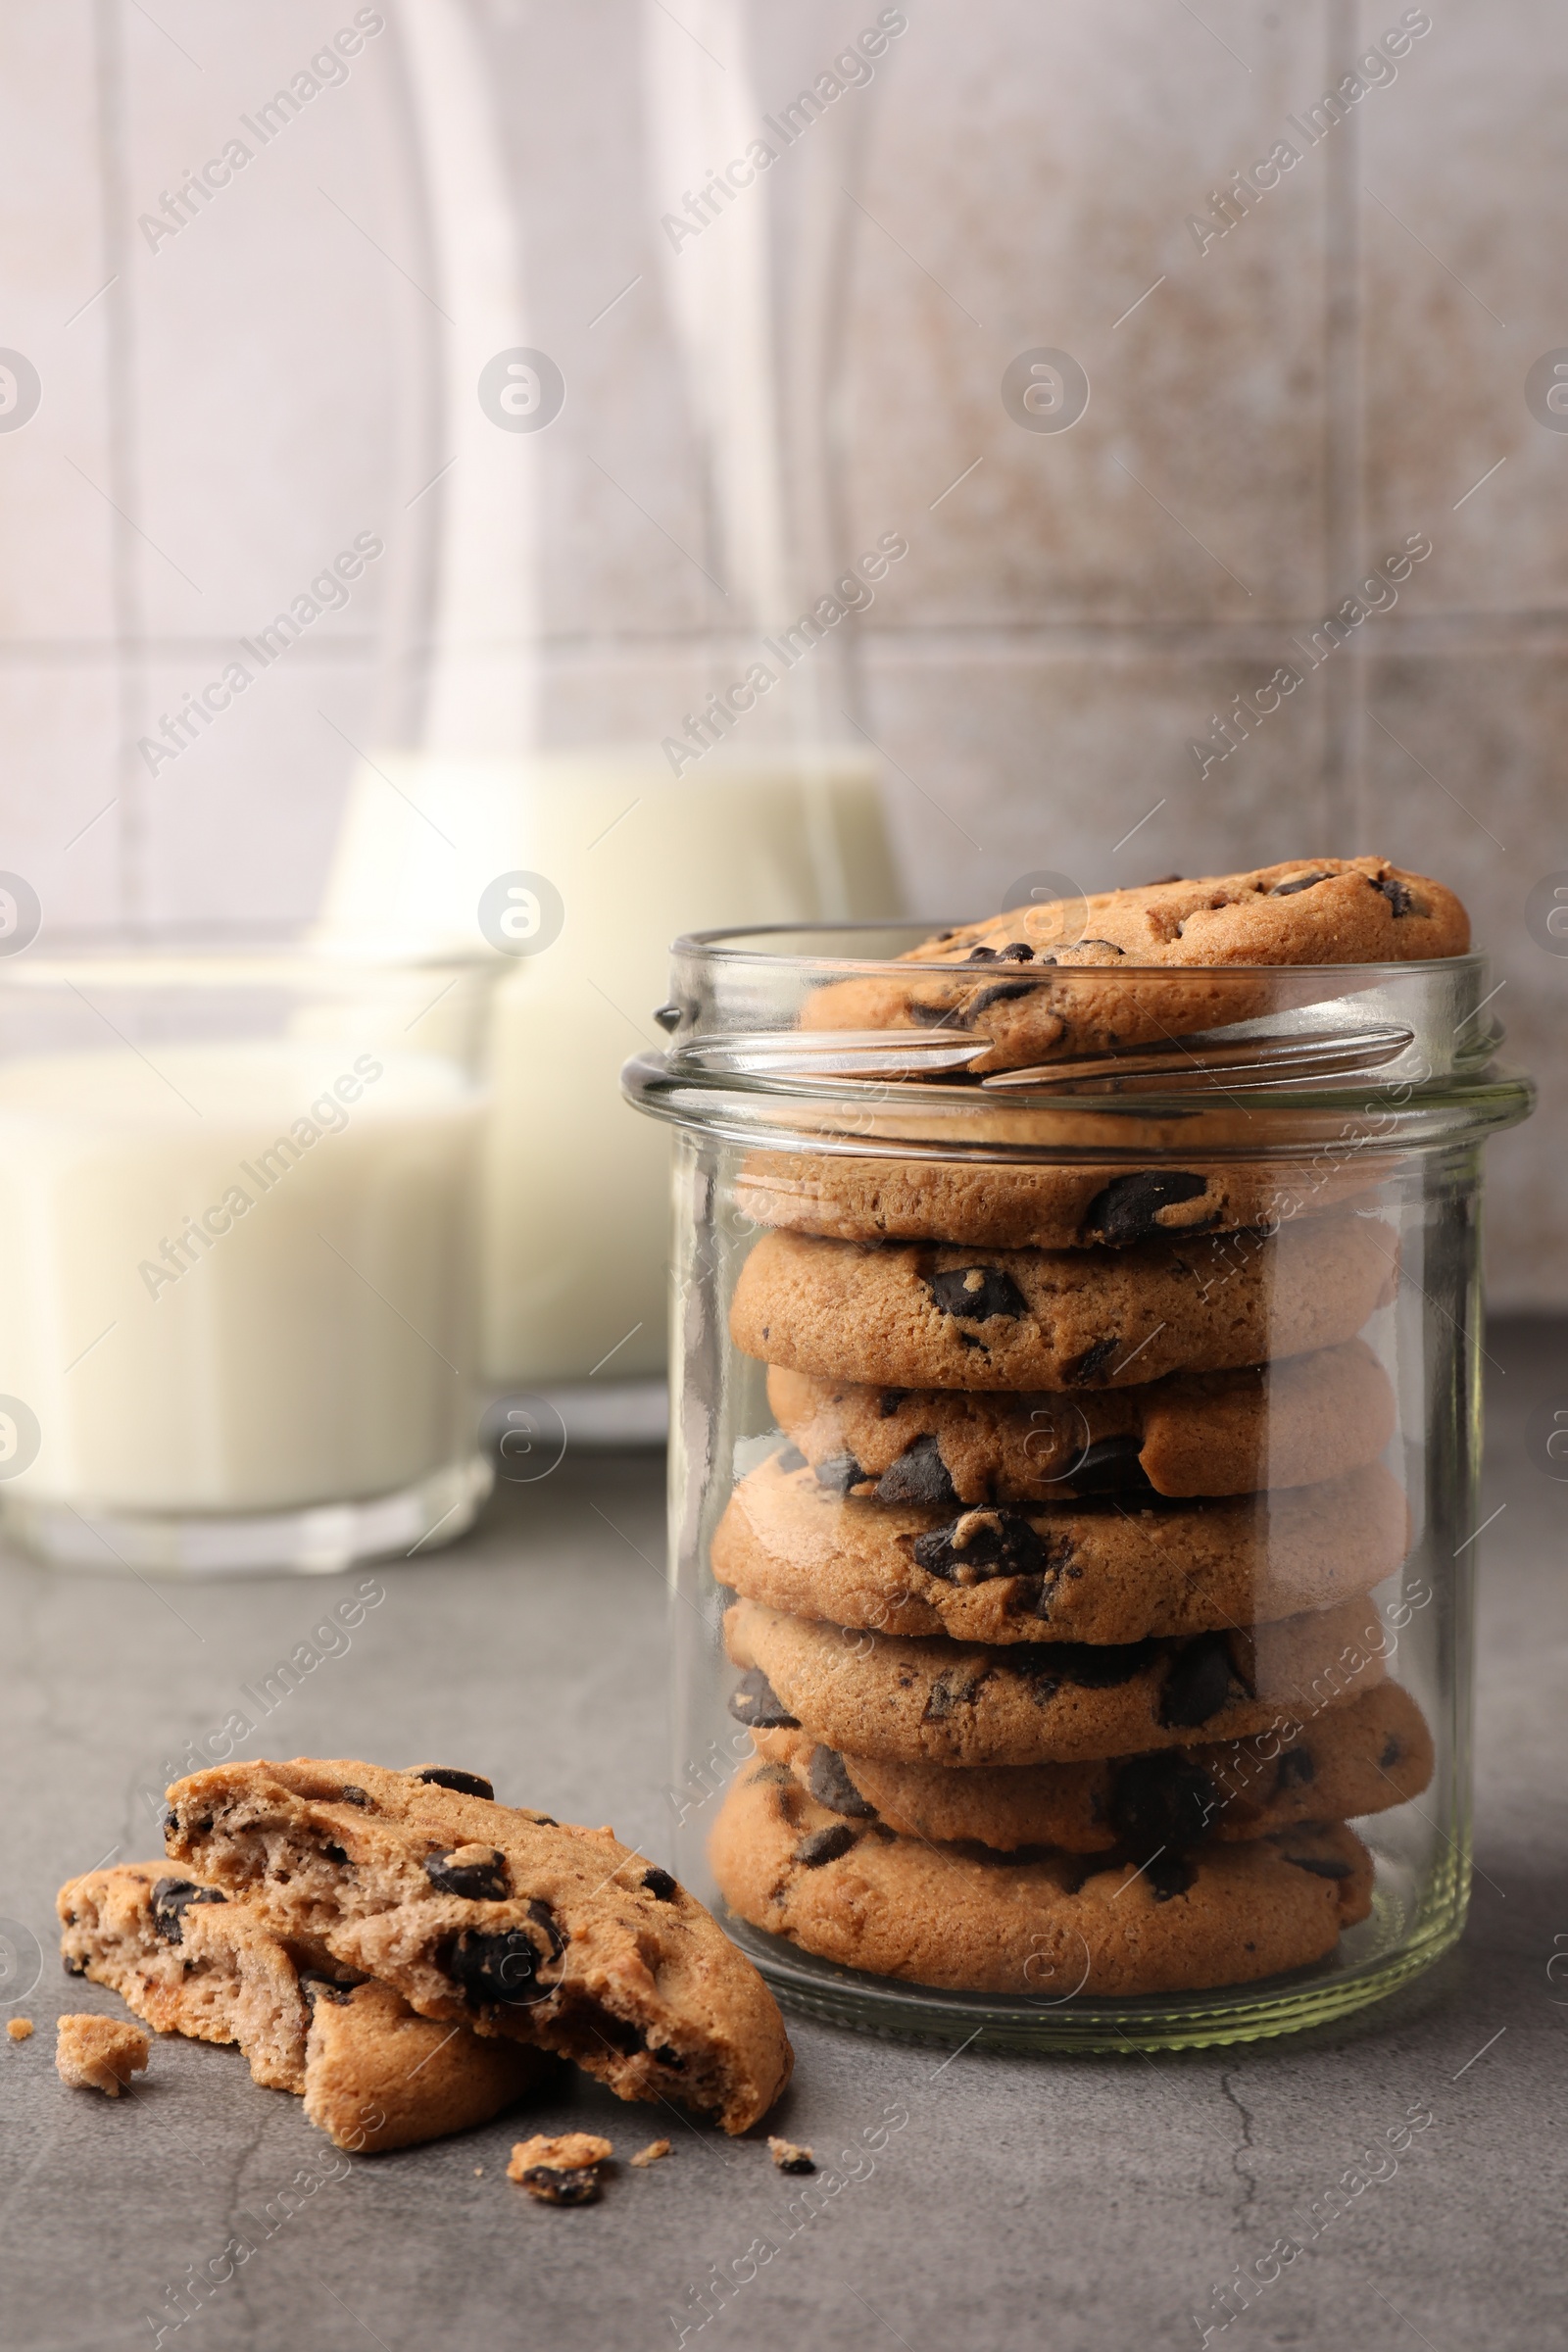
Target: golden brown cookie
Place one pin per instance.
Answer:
(1088, 976)
(920, 1318)
(1100, 1572)
(1288, 1424)
(1363, 1757)
(485, 1914)
(1005, 1205)
(1051, 1925)
(951, 1702)
(190, 1961)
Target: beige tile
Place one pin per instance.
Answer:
(1085, 140)
(240, 826)
(1005, 762)
(62, 806)
(55, 526)
(1465, 248)
(1486, 725)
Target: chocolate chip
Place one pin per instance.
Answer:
(1390, 1755)
(1092, 1361)
(659, 1882)
(72, 1966)
(494, 1970)
(982, 956)
(555, 2188)
(1110, 943)
(891, 1400)
(1002, 994)
(976, 1293)
(756, 1703)
(348, 1795)
(1162, 1800)
(1297, 1768)
(1092, 1665)
(832, 1786)
(839, 1473)
(1126, 1210)
(1288, 890)
(1111, 1466)
(1160, 882)
(1169, 1875)
(466, 1784)
(789, 1458)
(825, 1845)
(1402, 901)
(1322, 1866)
(919, 1475)
(171, 1899)
(986, 1544)
(316, 1988)
(1200, 1683)
(1017, 951)
(930, 1016)
(475, 1881)
(958, 1687)
(333, 1853)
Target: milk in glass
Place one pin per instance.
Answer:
(235, 1277)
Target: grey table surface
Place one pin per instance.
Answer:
(1065, 2202)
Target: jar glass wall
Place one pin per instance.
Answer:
(1073, 1482)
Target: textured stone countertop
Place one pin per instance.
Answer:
(1080, 2204)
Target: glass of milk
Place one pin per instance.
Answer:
(238, 1191)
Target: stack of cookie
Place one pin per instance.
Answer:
(1053, 1602)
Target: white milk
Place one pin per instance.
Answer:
(575, 1224)
(303, 1337)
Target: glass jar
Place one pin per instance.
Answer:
(1073, 1480)
(238, 1196)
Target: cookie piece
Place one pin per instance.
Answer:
(907, 1317)
(99, 2053)
(486, 1915)
(1035, 998)
(1288, 1424)
(1003, 1206)
(1047, 1924)
(1372, 1753)
(951, 1702)
(1103, 1572)
(564, 2171)
(190, 1961)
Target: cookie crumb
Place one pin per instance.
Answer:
(560, 2171)
(99, 2053)
(652, 2153)
(789, 2158)
(478, 2170)
(20, 2029)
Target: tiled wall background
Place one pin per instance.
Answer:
(1270, 416)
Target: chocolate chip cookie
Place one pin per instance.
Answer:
(950, 1702)
(1373, 1752)
(1288, 1424)
(1011, 1206)
(190, 1961)
(1098, 1572)
(929, 1317)
(1051, 1925)
(1089, 976)
(494, 1917)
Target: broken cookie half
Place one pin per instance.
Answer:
(190, 1959)
(492, 1917)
